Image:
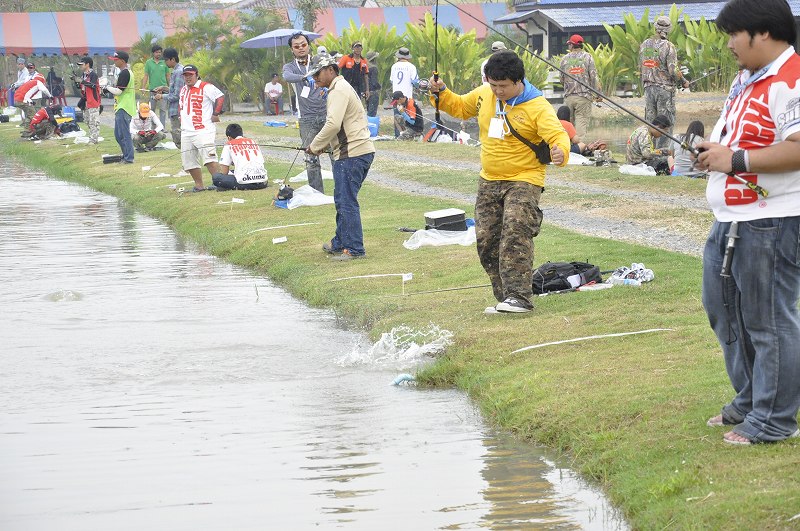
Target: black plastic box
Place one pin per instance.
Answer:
(451, 219)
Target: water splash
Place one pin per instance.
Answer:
(403, 346)
(63, 295)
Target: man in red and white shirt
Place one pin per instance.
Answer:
(33, 89)
(751, 262)
(200, 105)
(245, 156)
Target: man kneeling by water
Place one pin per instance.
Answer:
(246, 158)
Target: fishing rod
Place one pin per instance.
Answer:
(751, 185)
(436, 61)
(712, 71)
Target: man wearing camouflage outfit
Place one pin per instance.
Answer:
(507, 214)
(658, 61)
(580, 65)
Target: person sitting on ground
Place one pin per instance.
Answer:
(684, 158)
(44, 124)
(408, 120)
(576, 146)
(641, 147)
(246, 158)
(146, 129)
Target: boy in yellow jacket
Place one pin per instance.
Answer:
(507, 214)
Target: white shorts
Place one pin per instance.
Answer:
(197, 150)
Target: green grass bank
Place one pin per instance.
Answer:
(629, 411)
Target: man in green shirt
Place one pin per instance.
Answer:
(156, 79)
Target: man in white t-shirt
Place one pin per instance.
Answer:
(273, 96)
(404, 73)
(200, 105)
(245, 156)
(404, 77)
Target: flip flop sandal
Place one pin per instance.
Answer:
(746, 442)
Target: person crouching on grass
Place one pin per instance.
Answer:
(245, 156)
(346, 132)
(507, 214)
(146, 129)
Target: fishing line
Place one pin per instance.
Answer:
(751, 185)
(437, 115)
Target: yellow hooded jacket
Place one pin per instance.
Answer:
(508, 159)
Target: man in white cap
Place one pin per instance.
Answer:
(658, 62)
(496, 47)
(22, 77)
(579, 64)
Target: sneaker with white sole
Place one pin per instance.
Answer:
(511, 305)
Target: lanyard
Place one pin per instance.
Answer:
(502, 113)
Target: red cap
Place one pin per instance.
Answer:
(575, 39)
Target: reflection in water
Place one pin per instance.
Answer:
(146, 383)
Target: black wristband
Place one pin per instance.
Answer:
(738, 162)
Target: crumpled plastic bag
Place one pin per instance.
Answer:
(80, 133)
(85, 139)
(637, 169)
(636, 271)
(576, 159)
(305, 196)
(167, 145)
(9, 111)
(437, 238)
(303, 176)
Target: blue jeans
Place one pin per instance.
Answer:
(755, 317)
(122, 132)
(348, 176)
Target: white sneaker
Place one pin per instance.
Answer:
(511, 305)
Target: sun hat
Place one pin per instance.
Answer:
(498, 45)
(403, 53)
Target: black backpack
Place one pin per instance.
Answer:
(69, 127)
(557, 276)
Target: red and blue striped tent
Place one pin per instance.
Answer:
(100, 33)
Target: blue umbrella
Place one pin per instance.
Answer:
(276, 38)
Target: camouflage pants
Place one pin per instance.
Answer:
(660, 100)
(580, 110)
(175, 129)
(92, 119)
(27, 110)
(507, 218)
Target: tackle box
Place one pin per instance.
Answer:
(452, 219)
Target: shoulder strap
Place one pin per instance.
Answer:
(541, 150)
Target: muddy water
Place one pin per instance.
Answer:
(147, 385)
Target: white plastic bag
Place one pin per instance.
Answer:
(303, 176)
(437, 238)
(307, 196)
(637, 169)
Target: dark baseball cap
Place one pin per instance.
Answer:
(396, 95)
(190, 69)
(357, 44)
(30, 65)
(86, 60)
(120, 55)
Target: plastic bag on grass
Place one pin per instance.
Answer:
(437, 238)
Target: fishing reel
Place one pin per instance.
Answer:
(285, 192)
(424, 84)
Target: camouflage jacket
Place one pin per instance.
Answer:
(658, 60)
(579, 64)
(640, 146)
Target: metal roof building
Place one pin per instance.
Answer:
(550, 22)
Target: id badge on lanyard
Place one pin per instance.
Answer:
(497, 124)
